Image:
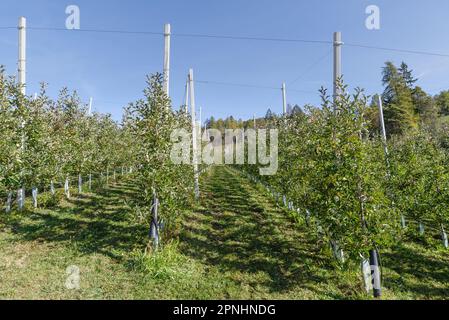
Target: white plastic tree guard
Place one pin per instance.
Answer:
(8, 202)
(21, 198)
(52, 188)
(67, 188)
(80, 184)
(34, 193)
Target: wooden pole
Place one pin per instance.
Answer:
(90, 106)
(337, 62)
(284, 99)
(22, 54)
(167, 35)
(200, 122)
(382, 124)
(194, 136)
(22, 82)
(186, 104)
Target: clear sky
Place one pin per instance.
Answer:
(112, 67)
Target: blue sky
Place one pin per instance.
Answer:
(112, 67)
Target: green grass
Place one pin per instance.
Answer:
(238, 244)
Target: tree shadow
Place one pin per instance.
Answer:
(419, 273)
(94, 222)
(237, 233)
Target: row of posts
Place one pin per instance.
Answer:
(166, 79)
(21, 70)
(370, 267)
(20, 200)
(337, 72)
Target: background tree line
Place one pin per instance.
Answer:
(406, 107)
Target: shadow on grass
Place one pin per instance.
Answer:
(422, 274)
(94, 223)
(240, 231)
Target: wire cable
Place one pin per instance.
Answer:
(250, 38)
(396, 50)
(96, 31)
(234, 37)
(190, 35)
(243, 85)
(311, 67)
(236, 84)
(111, 102)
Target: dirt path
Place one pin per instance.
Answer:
(253, 242)
(237, 244)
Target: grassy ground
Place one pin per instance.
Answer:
(236, 245)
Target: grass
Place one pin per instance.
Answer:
(238, 244)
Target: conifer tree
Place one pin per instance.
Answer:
(399, 110)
